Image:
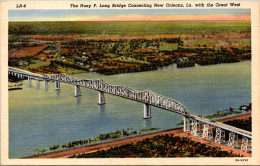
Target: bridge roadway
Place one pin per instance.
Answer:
(149, 99)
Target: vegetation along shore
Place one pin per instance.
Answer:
(168, 143)
(101, 137)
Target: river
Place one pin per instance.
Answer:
(39, 117)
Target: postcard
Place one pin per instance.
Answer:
(129, 82)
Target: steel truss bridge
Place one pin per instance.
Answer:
(199, 126)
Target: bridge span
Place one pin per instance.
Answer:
(198, 126)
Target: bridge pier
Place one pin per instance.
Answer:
(186, 124)
(194, 125)
(29, 81)
(147, 111)
(246, 144)
(233, 139)
(37, 83)
(45, 83)
(77, 91)
(220, 135)
(207, 131)
(57, 85)
(101, 98)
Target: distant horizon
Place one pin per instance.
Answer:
(127, 15)
(148, 21)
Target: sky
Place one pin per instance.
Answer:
(131, 15)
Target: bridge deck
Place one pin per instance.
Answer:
(147, 97)
(223, 126)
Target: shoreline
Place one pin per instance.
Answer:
(113, 143)
(85, 72)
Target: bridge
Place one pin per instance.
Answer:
(198, 126)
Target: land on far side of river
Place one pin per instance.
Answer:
(132, 48)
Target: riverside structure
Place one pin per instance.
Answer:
(199, 126)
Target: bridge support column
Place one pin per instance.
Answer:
(220, 135)
(245, 146)
(186, 124)
(45, 83)
(77, 90)
(194, 125)
(207, 131)
(29, 81)
(101, 98)
(147, 111)
(37, 83)
(57, 85)
(233, 140)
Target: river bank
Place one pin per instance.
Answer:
(177, 132)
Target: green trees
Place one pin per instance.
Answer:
(160, 146)
(101, 137)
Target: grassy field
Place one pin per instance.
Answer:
(130, 60)
(168, 46)
(245, 42)
(24, 51)
(126, 28)
(202, 42)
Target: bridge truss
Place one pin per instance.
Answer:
(198, 126)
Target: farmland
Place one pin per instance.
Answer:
(24, 52)
(87, 29)
(122, 47)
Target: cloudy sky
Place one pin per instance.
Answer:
(131, 15)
